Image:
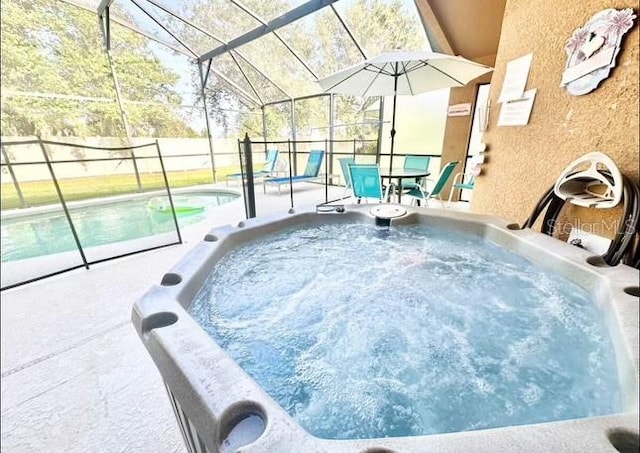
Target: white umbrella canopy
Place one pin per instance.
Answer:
(414, 72)
(404, 73)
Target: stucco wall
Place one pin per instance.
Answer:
(522, 162)
(458, 128)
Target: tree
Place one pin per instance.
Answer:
(64, 54)
(52, 48)
(379, 26)
(321, 42)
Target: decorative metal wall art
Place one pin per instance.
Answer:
(592, 50)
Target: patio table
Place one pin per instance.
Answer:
(402, 173)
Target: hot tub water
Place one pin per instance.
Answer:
(363, 333)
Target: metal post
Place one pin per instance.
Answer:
(290, 174)
(107, 24)
(206, 118)
(326, 174)
(247, 79)
(160, 24)
(13, 177)
(250, 195)
(380, 126)
(123, 115)
(74, 233)
(264, 129)
(272, 26)
(166, 184)
(331, 132)
(293, 137)
(393, 116)
(246, 209)
(349, 32)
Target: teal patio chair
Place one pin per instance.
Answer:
(344, 166)
(422, 194)
(366, 182)
(268, 168)
(311, 172)
(461, 184)
(415, 163)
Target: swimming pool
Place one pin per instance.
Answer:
(101, 222)
(223, 402)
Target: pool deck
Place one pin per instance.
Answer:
(75, 376)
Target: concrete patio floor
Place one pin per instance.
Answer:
(75, 376)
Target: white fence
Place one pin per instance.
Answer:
(179, 154)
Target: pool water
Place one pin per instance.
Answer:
(360, 332)
(100, 224)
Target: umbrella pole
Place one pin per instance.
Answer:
(393, 116)
(393, 132)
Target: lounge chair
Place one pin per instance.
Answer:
(268, 169)
(366, 182)
(421, 193)
(311, 172)
(344, 166)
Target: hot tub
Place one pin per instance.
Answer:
(220, 407)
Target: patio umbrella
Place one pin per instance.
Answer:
(402, 72)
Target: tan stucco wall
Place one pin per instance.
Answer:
(458, 128)
(522, 162)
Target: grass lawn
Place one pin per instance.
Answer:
(43, 192)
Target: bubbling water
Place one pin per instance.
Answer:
(363, 333)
